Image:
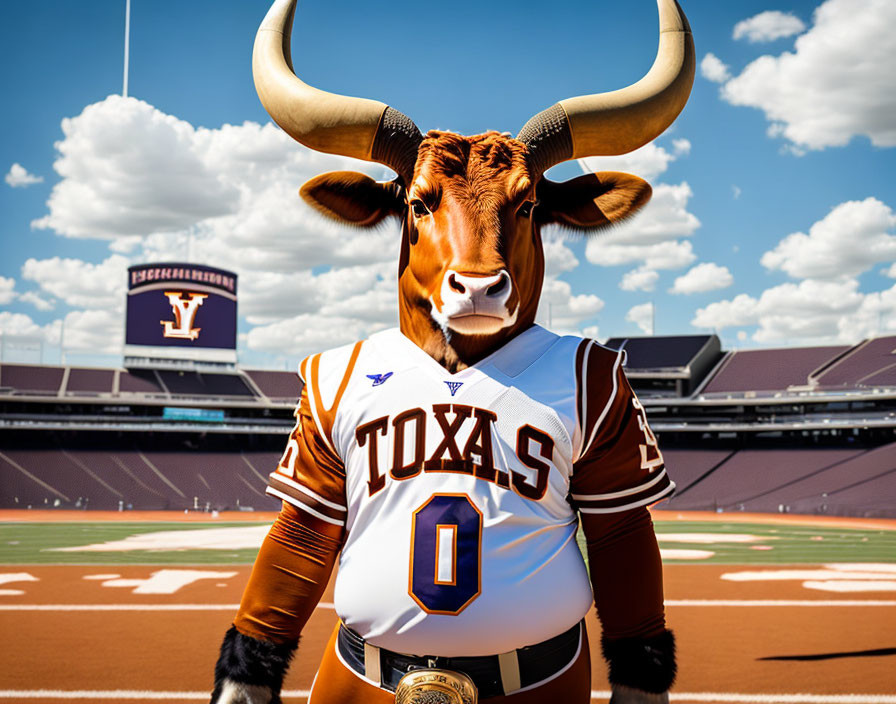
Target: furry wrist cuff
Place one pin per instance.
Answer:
(647, 664)
(250, 661)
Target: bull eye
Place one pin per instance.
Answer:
(525, 210)
(418, 207)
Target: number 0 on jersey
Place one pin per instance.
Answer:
(446, 554)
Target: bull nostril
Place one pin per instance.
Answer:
(455, 284)
(495, 289)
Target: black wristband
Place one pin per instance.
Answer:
(647, 664)
(251, 661)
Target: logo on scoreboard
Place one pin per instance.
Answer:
(184, 315)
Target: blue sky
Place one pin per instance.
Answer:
(772, 220)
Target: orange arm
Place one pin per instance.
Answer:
(626, 573)
(627, 577)
(289, 577)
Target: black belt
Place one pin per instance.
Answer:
(493, 675)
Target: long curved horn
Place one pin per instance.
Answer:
(327, 122)
(618, 122)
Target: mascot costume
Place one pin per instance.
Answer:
(447, 464)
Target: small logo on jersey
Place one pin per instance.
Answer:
(184, 315)
(379, 378)
(454, 386)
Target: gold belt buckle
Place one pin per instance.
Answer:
(434, 686)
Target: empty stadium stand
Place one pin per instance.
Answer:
(872, 363)
(144, 478)
(768, 370)
(801, 430)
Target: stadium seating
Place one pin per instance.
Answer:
(801, 430)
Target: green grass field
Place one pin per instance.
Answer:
(34, 543)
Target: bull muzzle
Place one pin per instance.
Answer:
(475, 305)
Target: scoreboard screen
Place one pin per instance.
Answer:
(181, 311)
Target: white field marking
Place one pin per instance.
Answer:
(672, 554)
(15, 577)
(843, 586)
(304, 694)
(710, 538)
(763, 603)
(166, 581)
(134, 607)
(863, 567)
(242, 538)
(800, 575)
(101, 576)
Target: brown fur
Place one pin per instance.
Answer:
(473, 188)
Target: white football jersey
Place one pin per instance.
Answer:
(459, 492)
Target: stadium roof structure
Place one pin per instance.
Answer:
(680, 361)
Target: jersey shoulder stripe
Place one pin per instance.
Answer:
(660, 487)
(597, 383)
(328, 373)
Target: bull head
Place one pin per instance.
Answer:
(472, 264)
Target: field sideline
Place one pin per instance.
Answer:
(765, 608)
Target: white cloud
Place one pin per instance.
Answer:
(651, 237)
(741, 310)
(94, 331)
(558, 257)
(703, 277)
(681, 146)
(639, 279)
(736, 192)
(129, 169)
(664, 218)
(7, 290)
(35, 299)
(81, 284)
(891, 272)
(642, 316)
(304, 334)
(20, 326)
(665, 255)
(768, 26)
(18, 177)
(714, 69)
(810, 312)
(564, 312)
(648, 162)
(851, 239)
(837, 82)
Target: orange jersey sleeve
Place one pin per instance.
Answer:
(310, 474)
(288, 579)
(620, 466)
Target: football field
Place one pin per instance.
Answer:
(765, 609)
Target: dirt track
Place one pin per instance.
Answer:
(818, 644)
(721, 647)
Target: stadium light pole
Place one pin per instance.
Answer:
(127, 38)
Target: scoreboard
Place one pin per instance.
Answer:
(181, 312)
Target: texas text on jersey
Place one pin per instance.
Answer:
(454, 496)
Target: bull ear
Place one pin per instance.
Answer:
(592, 201)
(353, 198)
